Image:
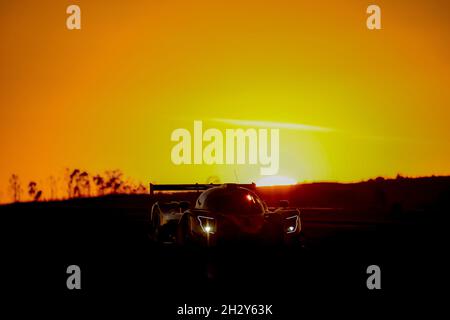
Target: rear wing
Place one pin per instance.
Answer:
(194, 187)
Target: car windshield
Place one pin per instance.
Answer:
(240, 201)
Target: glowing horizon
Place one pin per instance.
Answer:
(275, 181)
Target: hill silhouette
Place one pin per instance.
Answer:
(379, 197)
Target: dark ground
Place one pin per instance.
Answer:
(122, 269)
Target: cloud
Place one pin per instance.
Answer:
(272, 124)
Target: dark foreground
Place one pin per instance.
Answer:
(122, 269)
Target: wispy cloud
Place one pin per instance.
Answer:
(272, 124)
(311, 128)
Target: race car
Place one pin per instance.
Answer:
(222, 214)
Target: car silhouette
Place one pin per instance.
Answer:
(228, 213)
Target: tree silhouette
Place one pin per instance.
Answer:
(35, 194)
(79, 184)
(15, 188)
(53, 187)
(38, 195)
(114, 181)
(140, 189)
(100, 184)
(84, 184)
(74, 189)
(32, 189)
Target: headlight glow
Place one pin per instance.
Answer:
(291, 224)
(208, 224)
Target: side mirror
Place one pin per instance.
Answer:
(184, 205)
(284, 203)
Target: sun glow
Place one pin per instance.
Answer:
(275, 181)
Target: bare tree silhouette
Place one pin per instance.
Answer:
(53, 187)
(15, 188)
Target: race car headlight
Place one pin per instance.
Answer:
(207, 224)
(291, 224)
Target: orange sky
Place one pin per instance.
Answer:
(109, 95)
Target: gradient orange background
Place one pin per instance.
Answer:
(109, 95)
